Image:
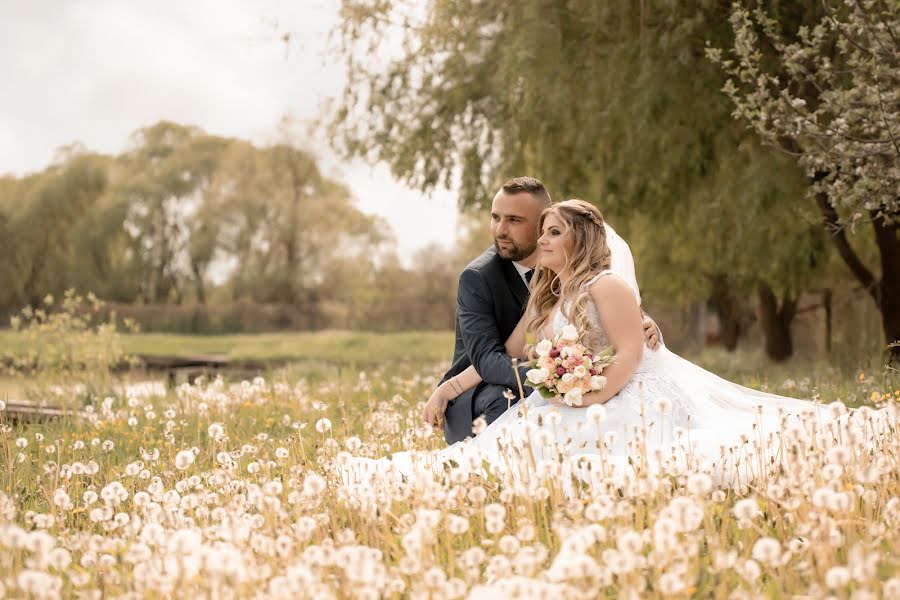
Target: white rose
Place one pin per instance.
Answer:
(569, 333)
(579, 371)
(598, 382)
(537, 376)
(573, 397)
(568, 378)
(543, 347)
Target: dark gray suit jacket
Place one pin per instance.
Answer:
(490, 301)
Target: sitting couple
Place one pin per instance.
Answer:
(558, 264)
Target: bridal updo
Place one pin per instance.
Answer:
(590, 255)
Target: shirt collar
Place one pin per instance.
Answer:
(522, 269)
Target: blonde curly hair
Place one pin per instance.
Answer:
(590, 255)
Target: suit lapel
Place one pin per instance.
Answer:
(516, 284)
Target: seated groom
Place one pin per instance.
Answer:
(492, 294)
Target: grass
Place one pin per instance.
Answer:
(325, 353)
(261, 508)
(333, 347)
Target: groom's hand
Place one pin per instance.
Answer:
(434, 410)
(651, 333)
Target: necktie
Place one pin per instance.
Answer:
(528, 275)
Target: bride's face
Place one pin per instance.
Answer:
(555, 244)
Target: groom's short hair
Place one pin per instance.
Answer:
(533, 186)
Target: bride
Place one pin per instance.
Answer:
(655, 408)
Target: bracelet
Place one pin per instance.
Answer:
(455, 385)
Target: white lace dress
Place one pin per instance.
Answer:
(670, 411)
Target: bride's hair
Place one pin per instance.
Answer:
(590, 255)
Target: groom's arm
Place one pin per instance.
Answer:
(480, 333)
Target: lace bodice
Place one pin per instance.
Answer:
(596, 339)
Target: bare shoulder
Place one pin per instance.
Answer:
(610, 287)
(613, 296)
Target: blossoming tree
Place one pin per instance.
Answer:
(831, 98)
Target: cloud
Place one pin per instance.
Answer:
(94, 71)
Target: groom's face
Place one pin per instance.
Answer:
(514, 224)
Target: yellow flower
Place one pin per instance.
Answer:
(862, 376)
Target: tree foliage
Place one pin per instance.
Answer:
(183, 217)
(829, 94)
(613, 102)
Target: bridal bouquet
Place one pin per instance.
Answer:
(565, 369)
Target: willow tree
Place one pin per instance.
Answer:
(166, 173)
(831, 98)
(613, 102)
(286, 225)
(42, 213)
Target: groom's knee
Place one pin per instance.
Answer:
(458, 418)
(490, 402)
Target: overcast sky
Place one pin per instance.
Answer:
(94, 71)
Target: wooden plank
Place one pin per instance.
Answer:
(20, 410)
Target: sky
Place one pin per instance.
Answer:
(94, 71)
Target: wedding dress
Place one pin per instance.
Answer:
(671, 414)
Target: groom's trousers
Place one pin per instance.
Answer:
(484, 399)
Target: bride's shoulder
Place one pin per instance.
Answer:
(607, 284)
(605, 274)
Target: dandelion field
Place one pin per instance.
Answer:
(233, 489)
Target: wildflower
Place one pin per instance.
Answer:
(494, 526)
(767, 550)
(596, 414)
(323, 425)
(837, 577)
(215, 431)
(746, 508)
(457, 525)
(699, 484)
(662, 405)
(281, 453)
(509, 544)
(630, 542)
(749, 570)
(526, 532)
(184, 459)
(479, 425)
(313, 485)
(671, 583)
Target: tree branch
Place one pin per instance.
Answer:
(859, 270)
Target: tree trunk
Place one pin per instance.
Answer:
(886, 291)
(728, 311)
(198, 281)
(887, 236)
(776, 322)
(826, 302)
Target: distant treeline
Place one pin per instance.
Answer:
(192, 233)
(197, 233)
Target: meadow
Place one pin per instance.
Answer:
(238, 489)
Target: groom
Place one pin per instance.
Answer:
(492, 294)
